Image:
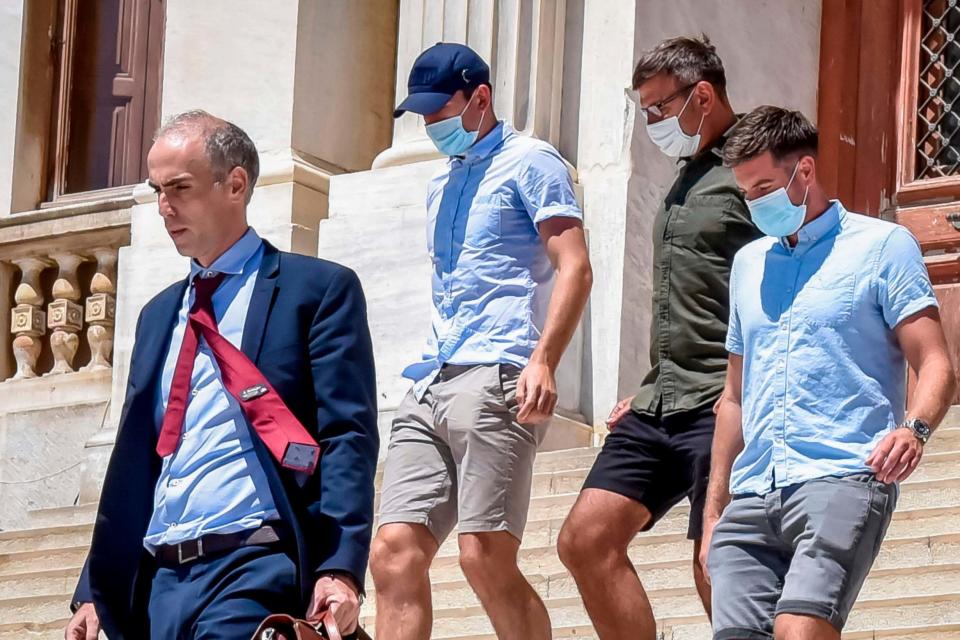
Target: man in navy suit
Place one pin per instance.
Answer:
(216, 510)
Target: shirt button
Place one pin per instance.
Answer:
(195, 392)
(779, 403)
(174, 482)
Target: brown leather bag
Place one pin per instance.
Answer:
(284, 627)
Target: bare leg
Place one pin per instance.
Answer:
(400, 560)
(489, 561)
(593, 546)
(789, 626)
(703, 586)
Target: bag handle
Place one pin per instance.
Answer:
(330, 626)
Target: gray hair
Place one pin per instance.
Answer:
(227, 145)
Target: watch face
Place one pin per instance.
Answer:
(920, 428)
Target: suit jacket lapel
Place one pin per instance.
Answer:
(261, 302)
(148, 364)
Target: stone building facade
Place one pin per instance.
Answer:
(314, 82)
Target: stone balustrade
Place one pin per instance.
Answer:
(65, 305)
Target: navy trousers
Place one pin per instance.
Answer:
(224, 597)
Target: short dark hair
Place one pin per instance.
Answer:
(227, 145)
(784, 133)
(687, 59)
(471, 89)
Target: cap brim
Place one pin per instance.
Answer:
(422, 103)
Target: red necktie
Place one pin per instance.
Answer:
(287, 439)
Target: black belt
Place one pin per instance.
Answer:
(214, 543)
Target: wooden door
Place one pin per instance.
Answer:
(889, 119)
(108, 107)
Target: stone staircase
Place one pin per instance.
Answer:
(913, 592)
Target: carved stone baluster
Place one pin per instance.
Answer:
(101, 309)
(28, 320)
(64, 315)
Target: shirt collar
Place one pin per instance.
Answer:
(817, 228)
(233, 259)
(487, 144)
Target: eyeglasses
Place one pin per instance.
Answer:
(656, 109)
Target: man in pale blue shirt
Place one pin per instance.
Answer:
(219, 461)
(213, 514)
(812, 436)
(511, 276)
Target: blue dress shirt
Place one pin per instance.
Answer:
(213, 482)
(823, 374)
(492, 278)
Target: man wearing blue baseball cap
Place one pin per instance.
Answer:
(511, 276)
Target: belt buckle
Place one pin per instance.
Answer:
(183, 560)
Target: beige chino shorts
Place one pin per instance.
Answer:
(459, 455)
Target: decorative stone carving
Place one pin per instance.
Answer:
(101, 309)
(64, 315)
(28, 320)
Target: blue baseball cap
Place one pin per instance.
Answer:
(438, 73)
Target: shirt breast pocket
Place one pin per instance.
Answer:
(827, 302)
(483, 221)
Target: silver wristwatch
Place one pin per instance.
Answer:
(920, 429)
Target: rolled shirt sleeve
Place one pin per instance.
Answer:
(903, 284)
(734, 343)
(545, 186)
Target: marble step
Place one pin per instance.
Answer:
(47, 582)
(39, 612)
(678, 581)
(870, 619)
(23, 562)
(669, 551)
(61, 516)
(55, 537)
(945, 466)
(50, 631)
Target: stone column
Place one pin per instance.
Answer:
(101, 309)
(64, 315)
(28, 320)
(521, 40)
(607, 116)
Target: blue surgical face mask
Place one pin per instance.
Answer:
(450, 137)
(775, 214)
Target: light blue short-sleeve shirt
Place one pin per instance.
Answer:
(824, 378)
(492, 278)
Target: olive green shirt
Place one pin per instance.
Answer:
(701, 224)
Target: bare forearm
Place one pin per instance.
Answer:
(727, 444)
(563, 314)
(934, 391)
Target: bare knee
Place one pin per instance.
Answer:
(579, 544)
(488, 558)
(790, 626)
(590, 539)
(400, 553)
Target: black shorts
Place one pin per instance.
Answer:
(657, 461)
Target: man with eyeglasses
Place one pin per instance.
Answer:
(658, 450)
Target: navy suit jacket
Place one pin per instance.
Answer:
(306, 329)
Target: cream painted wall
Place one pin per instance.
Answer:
(11, 28)
(771, 52)
(236, 59)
